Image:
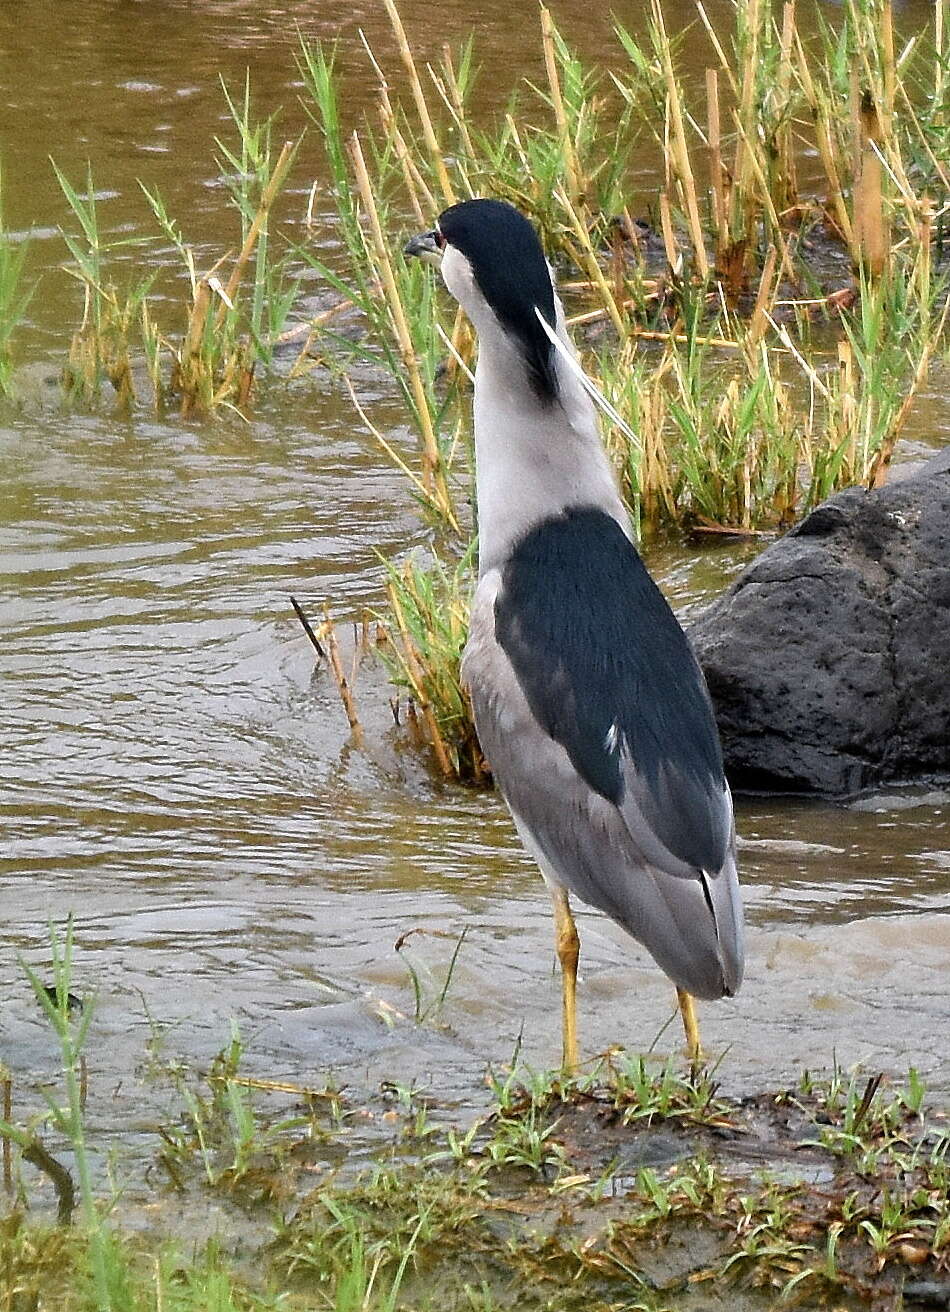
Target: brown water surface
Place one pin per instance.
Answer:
(177, 775)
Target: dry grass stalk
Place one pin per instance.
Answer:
(391, 132)
(634, 331)
(422, 491)
(456, 103)
(654, 471)
(433, 473)
(765, 300)
(724, 62)
(849, 401)
(730, 252)
(416, 678)
(750, 24)
(153, 343)
(717, 177)
(825, 141)
(888, 67)
(673, 257)
(787, 188)
(276, 181)
(870, 228)
(571, 169)
(304, 1092)
(328, 633)
(940, 67)
(679, 153)
(755, 168)
(587, 259)
(422, 109)
(309, 330)
(191, 367)
(413, 179)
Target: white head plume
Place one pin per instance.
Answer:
(590, 387)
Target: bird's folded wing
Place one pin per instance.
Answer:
(594, 716)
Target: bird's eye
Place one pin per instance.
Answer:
(439, 240)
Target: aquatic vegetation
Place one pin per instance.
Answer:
(394, 299)
(629, 1182)
(101, 347)
(14, 298)
(232, 328)
(237, 309)
(756, 384)
(729, 303)
(428, 615)
(429, 996)
(763, 317)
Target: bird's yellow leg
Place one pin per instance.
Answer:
(690, 1026)
(568, 950)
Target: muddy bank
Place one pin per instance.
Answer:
(635, 1185)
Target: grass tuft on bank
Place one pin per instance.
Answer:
(632, 1184)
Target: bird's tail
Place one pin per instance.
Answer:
(691, 926)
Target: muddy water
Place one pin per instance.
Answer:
(178, 775)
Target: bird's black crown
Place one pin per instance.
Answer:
(508, 262)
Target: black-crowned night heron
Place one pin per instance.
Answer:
(589, 703)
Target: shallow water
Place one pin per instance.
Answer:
(179, 776)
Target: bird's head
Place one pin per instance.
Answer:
(493, 264)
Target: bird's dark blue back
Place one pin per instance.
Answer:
(607, 670)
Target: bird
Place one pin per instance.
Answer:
(588, 701)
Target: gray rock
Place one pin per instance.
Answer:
(829, 658)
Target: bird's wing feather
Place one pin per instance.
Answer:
(596, 722)
(609, 674)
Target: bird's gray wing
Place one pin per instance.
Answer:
(600, 733)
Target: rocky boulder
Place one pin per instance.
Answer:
(829, 658)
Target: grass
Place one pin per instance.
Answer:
(14, 299)
(731, 312)
(756, 386)
(541, 1201)
(235, 312)
(728, 212)
(428, 614)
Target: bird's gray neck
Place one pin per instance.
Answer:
(533, 458)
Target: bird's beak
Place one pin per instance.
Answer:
(425, 246)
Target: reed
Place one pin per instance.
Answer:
(15, 298)
(101, 347)
(760, 452)
(429, 626)
(710, 354)
(239, 307)
(395, 299)
(236, 310)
